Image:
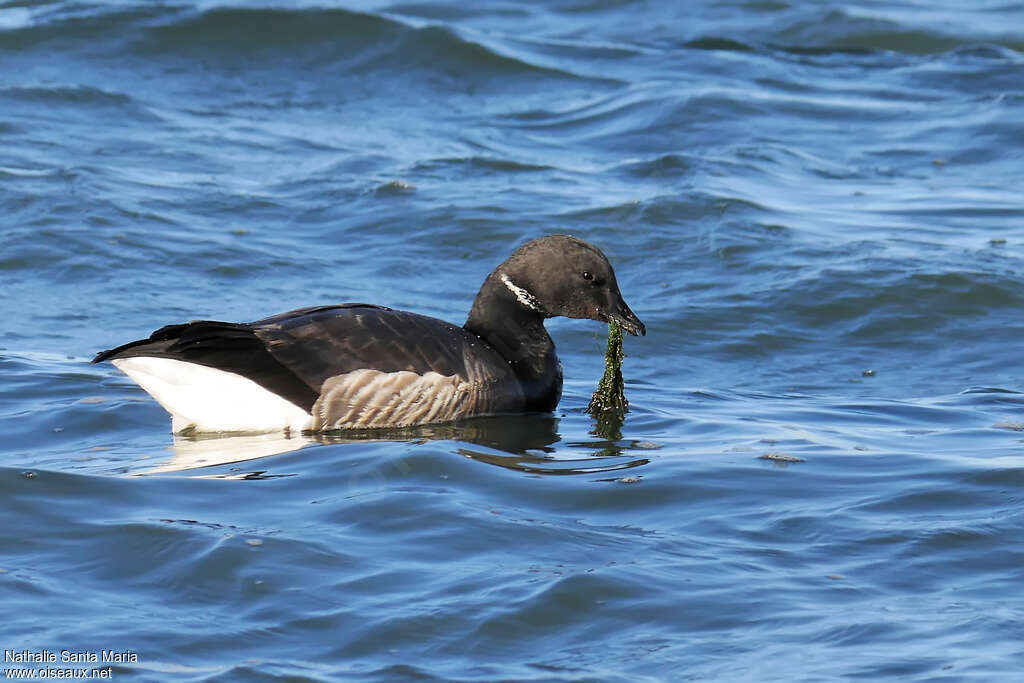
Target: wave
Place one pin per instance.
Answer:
(244, 29)
(78, 95)
(803, 30)
(486, 164)
(791, 27)
(357, 41)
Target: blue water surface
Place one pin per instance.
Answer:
(816, 208)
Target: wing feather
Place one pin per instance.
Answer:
(324, 342)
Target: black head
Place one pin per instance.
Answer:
(562, 275)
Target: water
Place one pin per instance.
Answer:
(815, 207)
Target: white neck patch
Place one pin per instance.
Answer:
(523, 296)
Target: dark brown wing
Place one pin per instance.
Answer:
(319, 343)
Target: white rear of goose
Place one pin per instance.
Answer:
(209, 400)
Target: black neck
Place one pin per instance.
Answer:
(517, 333)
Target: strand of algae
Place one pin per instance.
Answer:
(608, 405)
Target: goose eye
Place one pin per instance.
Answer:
(587, 275)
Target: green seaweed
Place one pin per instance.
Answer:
(608, 405)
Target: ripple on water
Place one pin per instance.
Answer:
(812, 207)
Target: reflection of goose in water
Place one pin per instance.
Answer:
(519, 442)
(197, 451)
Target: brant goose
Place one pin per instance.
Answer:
(361, 366)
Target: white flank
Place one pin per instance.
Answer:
(211, 400)
(524, 297)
